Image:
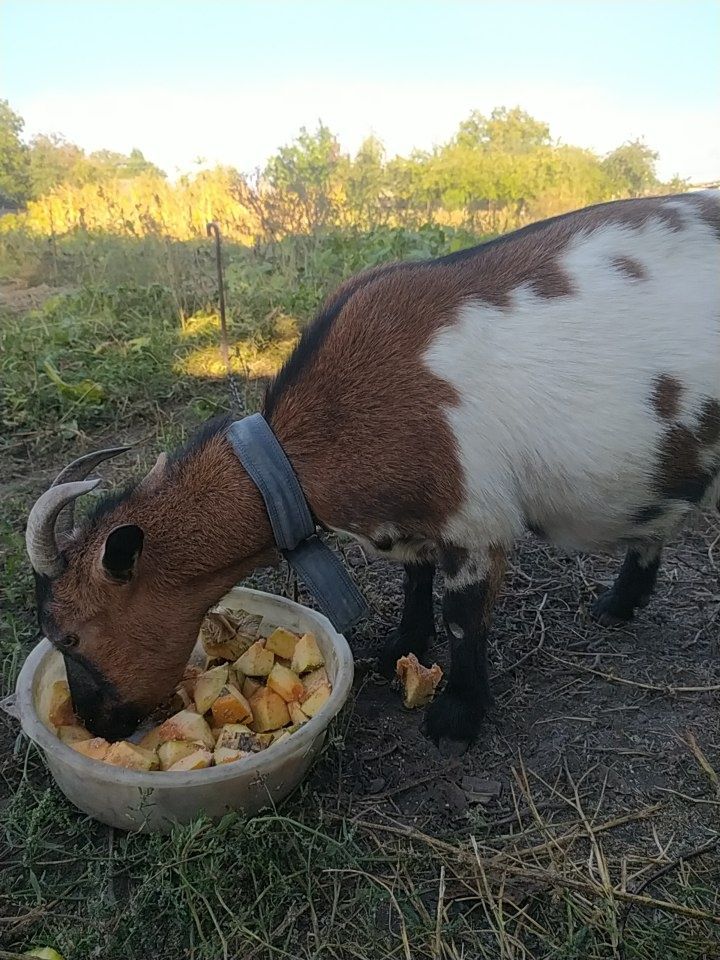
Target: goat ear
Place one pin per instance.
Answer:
(121, 552)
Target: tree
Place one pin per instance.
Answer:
(631, 169)
(506, 131)
(53, 161)
(366, 183)
(309, 172)
(108, 165)
(14, 178)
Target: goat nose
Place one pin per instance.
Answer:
(97, 704)
(117, 724)
(85, 690)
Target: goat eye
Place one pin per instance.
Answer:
(69, 641)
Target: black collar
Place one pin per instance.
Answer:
(293, 526)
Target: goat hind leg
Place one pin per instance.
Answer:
(632, 588)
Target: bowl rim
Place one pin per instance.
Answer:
(301, 740)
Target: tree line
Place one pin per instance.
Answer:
(495, 173)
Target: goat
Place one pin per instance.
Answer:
(564, 378)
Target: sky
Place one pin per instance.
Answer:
(231, 80)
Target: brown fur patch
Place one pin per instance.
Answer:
(680, 473)
(634, 213)
(629, 267)
(363, 425)
(552, 283)
(678, 462)
(709, 423)
(665, 396)
(708, 209)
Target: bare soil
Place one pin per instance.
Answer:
(574, 701)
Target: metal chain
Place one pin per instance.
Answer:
(236, 400)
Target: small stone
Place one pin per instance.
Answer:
(376, 785)
(481, 791)
(456, 799)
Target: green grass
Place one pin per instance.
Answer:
(296, 883)
(125, 350)
(138, 326)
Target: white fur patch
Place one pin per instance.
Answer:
(555, 424)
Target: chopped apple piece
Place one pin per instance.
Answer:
(208, 686)
(96, 748)
(194, 761)
(228, 755)
(315, 700)
(269, 710)
(286, 683)
(418, 682)
(282, 643)
(307, 654)
(131, 756)
(230, 734)
(284, 732)
(250, 687)
(230, 707)
(60, 710)
(236, 677)
(256, 661)
(297, 715)
(187, 725)
(151, 740)
(236, 736)
(312, 681)
(73, 733)
(173, 750)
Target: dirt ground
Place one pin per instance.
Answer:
(573, 699)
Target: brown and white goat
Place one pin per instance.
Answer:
(564, 378)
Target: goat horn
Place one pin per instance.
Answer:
(40, 534)
(78, 470)
(154, 477)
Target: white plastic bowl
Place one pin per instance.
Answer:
(150, 802)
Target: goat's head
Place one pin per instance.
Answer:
(123, 596)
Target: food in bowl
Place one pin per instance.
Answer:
(255, 686)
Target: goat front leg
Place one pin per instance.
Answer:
(472, 585)
(417, 626)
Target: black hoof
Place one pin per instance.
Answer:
(453, 722)
(397, 645)
(609, 611)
